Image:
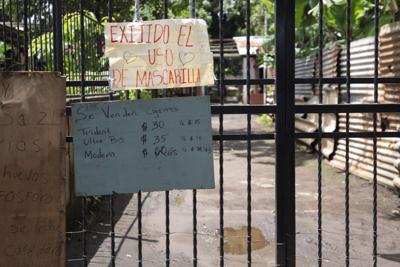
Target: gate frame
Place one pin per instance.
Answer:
(285, 135)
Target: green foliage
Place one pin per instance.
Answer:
(334, 23)
(2, 51)
(144, 94)
(265, 119)
(42, 46)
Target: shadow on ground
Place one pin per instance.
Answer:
(98, 225)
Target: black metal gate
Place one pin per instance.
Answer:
(27, 49)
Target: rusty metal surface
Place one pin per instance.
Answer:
(330, 63)
(361, 66)
(390, 67)
(361, 150)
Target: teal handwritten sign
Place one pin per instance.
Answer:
(142, 145)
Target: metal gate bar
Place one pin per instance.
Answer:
(375, 142)
(319, 138)
(284, 127)
(248, 117)
(347, 172)
(221, 131)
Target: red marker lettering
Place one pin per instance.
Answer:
(112, 33)
(132, 29)
(141, 33)
(158, 28)
(141, 81)
(169, 62)
(123, 34)
(180, 35)
(187, 40)
(148, 33)
(171, 77)
(166, 34)
(118, 77)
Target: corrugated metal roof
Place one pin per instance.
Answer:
(230, 49)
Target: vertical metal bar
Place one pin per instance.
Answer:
(26, 58)
(35, 37)
(110, 97)
(195, 228)
(320, 85)
(4, 32)
(68, 51)
(375, 174)
(77, 63)
(140, 243)
(137, 11)
(249, 236)
(58, 37)
(167, 231)
(32, 65)
(110, 10)
(84, 245)
(88, 54)
(112, 233)
(50, 20)
(221, 132)
(167, 211)
(93, 62)
(82, 50)
(41, 35)
(284, 126)
(347, 172)
(112, 196)
(192, 8)
(18, 37)
(165, 9)
(165, 91)
(11, 34)
(110, 14)
(84, 202)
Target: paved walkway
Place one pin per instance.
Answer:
(263, 216)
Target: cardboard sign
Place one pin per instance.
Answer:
(143, 145)
(32, 169)
(159, 54)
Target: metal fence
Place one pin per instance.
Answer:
(57, 35)
(46, 35)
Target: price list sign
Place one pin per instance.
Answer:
(142, 145)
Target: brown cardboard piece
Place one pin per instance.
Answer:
(32, 169)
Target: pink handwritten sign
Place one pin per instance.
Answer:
(159, 54)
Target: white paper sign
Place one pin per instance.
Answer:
(159, 54)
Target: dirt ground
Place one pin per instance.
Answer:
(235, 216)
